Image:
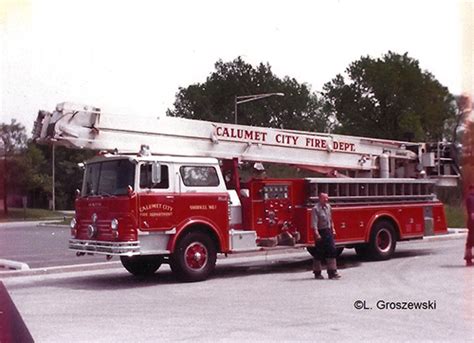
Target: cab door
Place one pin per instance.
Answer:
(156, 202)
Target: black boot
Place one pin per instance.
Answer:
(333, 275)
(318, 276)
(332, 269)
(317, 270)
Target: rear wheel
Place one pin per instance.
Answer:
(382, 241)
(194, 258)
(141, 265)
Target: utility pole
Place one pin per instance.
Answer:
(5, 183)
(53, 207)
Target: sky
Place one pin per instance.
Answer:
(131, 56)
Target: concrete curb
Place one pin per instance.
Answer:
(457, 230)
(444, 237)
(30, 220)
(9, 264)
(453, 233)
(51, 225)
(61, 269)
(222, 260)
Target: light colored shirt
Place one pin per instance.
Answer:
(321, 216)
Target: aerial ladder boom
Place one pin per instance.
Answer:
(86, 127)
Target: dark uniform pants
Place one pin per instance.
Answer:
(325, 247)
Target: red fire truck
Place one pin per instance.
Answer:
(168, 190)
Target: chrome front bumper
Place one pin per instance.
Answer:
(105, 248)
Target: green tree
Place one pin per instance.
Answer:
(213, 100)
(13, 138)
(26, 169)
(34, 179)
(390, 97)
(68, 174)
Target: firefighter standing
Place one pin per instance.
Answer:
(324, 232)
(470, 226)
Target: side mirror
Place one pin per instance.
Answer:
(155, 173)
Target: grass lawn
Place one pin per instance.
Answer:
(455, 216)
(30, 214)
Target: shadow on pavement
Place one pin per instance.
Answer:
(460, 265)
(123, 280)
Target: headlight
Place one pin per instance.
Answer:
(73, 223)
(114, 224)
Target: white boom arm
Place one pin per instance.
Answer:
(78, 126)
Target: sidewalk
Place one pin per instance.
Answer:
(33, 222)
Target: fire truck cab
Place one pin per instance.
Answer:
(142, 207)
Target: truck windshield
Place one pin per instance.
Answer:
(108, 178)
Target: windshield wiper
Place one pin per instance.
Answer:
(106, 194)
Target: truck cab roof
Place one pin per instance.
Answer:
(159, 158)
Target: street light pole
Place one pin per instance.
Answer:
(5, 185)
(53, 207)
(240, 99)
(235, 109)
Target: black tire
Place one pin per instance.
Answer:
(141, 265)
(382, 241)
(194, 257)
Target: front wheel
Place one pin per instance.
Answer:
(382, 241)
(141, 265)
(194, 258)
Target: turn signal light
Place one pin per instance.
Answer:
(73, 225)
(114, 224)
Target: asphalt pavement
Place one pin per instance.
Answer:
(39, 245)
(260, 298)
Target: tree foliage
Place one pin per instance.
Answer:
(390, 97)
(27, 169)
(32, 176)
(32, 170)
(68, 174)
(13, 137)
(213, 100)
